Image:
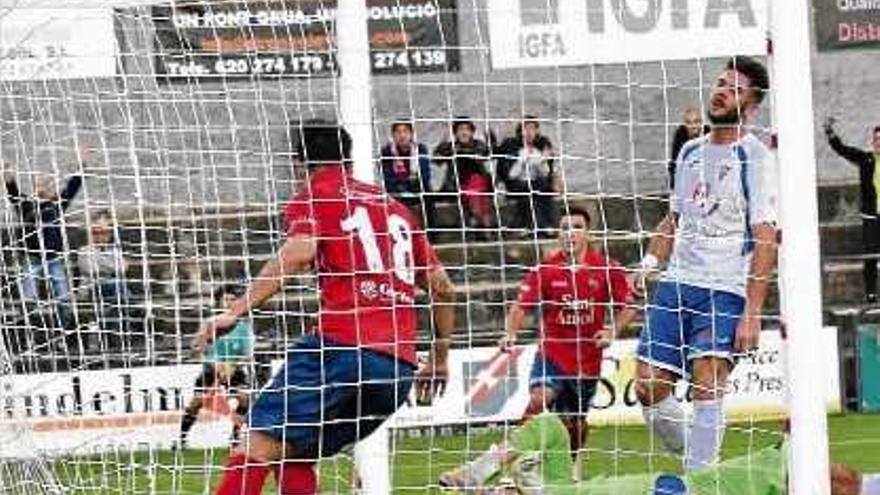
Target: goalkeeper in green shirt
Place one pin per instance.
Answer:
(537, 461)
(227, 364)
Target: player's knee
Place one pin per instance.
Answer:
(650, 391)
(652, 385)
(540, 398)
(263, 448)
(710, 379)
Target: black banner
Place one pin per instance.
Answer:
(293, 38)
(842, 24)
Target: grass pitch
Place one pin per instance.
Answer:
(855, 440)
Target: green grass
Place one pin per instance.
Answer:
(855, 440)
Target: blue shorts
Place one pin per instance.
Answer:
(327, 396)
(685, 322)
(574, 394)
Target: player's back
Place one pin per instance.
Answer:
(370, 250)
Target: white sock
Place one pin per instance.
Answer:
(707, 432)
(870, 484)
(486, 465)
(666, 420)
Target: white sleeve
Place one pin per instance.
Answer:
(870, 484)
(678, 194)
(762, 184)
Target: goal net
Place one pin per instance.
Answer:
(148, 151)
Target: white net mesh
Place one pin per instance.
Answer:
(177, 120)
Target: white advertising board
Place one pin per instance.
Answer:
(62, 43)
(475, 393)
(96, 411)
(541, 33)
(138, 408)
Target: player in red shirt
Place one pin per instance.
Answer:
(574, 287)
(339, 383)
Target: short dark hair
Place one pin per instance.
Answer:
(526, 120)
(572, 211)
(402, 122)
(462, 120)
(755, 71)
(319, 142)
(221, 291)
(877, 129)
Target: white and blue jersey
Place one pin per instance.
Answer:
(721, 192)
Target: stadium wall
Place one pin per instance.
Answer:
(202, 144)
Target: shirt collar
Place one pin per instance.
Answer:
(330, 173)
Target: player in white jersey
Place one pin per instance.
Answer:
(719, 239)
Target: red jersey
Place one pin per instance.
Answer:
(370, 253)
(573, 300)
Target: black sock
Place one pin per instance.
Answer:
(186, 424)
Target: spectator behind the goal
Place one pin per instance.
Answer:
(527, 170)
(41, 235)
(344, 378)
(406, 171)
(692, 127)
(869, 181)
(465, 159)
(226, 363)
(102, 267)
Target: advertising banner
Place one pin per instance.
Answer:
(842, 24)
(139, 408)
(542, 33)
(487, 386)
(97, 411)
(289, 38)
(40, 43)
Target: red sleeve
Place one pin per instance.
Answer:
(530, 289)
(300, 216)
(620, 288)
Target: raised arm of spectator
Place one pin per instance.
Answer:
(850, 153)
(75, 181)
(71, 189)
(12, 190)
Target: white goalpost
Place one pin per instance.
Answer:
(186, 109)
(799, 272)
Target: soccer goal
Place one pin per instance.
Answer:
(148, 154)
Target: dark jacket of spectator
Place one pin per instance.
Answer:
(680, 137)
(867, 163)
(42, 229)
(521, 173)
(406, 174)
(464, 160)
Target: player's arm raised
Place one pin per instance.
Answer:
(295, 256)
